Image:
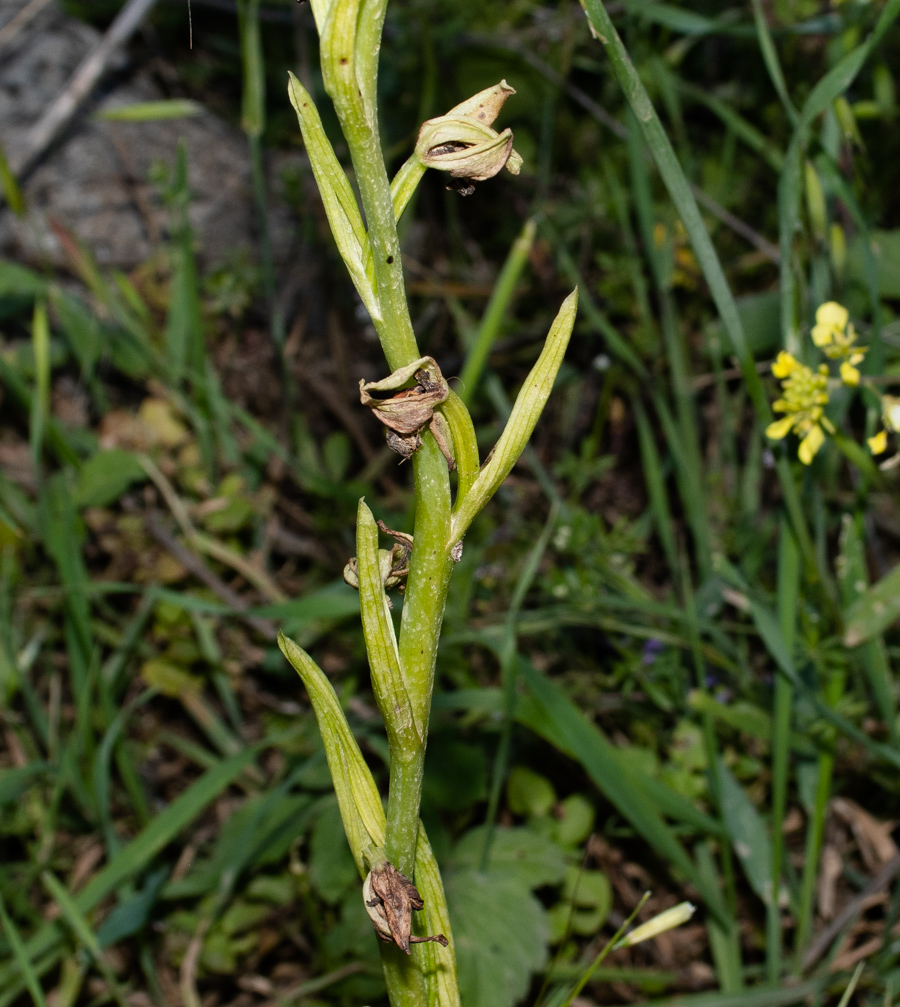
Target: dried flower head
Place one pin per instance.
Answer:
(390, 899)
(804, 396)
(463, 143)
(408, 411)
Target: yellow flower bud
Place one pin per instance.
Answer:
(849, 374)
(878, 443)
(810, 445)
(784, 365)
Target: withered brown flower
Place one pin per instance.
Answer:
(391, 898)
(410, 410)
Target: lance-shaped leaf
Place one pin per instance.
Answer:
(340, 203)
(358, 797)
(437, 963)
(404, 734)
(522, 420)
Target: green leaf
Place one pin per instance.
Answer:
(17, 281)
(872, 613)
(14, 782)
(105, 476)
(340, 203)
(529, 793)
(357, 794)
(522, 420)
(131, 915)
(500, 932)
(529, 857)
(748, 834)
(623, 784)
(152, 111)
(21, 958)
(331, 867)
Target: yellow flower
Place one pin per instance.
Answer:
(878, 443)
(784, 365)
(831, 320)
(804, 396)
(833, 334)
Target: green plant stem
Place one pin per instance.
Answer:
(423, 613)
(788, 591)
(359, 123)
(816, 830)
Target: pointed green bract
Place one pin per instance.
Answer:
(388, 682)
(526, 412)
(340, 203)
(358, 797)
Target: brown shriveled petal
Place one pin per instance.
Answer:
(390, 899)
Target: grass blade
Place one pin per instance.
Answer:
(23, 963)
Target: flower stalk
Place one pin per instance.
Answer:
(424, 420)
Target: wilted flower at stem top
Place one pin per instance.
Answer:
(463, 143)
(805, 395)
(837, 340)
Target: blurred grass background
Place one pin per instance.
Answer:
(662, 666)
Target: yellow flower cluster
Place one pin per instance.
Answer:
(837, 340)
(804, 397)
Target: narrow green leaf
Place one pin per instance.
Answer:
(405, 733)
(614, 778)
(494, 313)
(152, 111)
(82, 930)
(748, 834)
(358, 797)
(20, 956)
(526, 412)
(9, 186)
(874, 610)
(340, 203)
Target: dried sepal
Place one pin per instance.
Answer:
(463, 144)
(410, 410)
(391, 899)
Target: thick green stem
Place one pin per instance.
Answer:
(423, 613)
(350, 45)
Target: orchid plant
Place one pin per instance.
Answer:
(425, 421)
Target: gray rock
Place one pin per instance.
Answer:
(95, 181)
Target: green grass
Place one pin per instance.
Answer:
(667, 633)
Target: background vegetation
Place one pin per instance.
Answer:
(664, 616)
